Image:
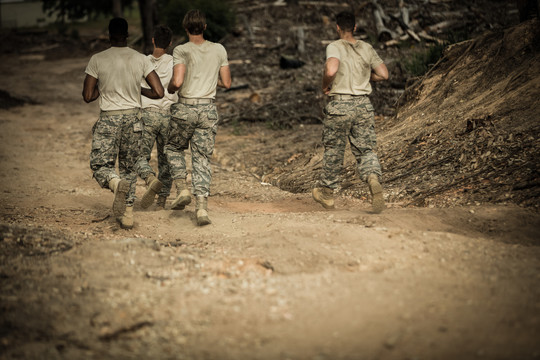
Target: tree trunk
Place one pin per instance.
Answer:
(117, 8)
(382, 32)
(147, 10)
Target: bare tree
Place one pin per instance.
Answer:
(148, 21)
(117, 10)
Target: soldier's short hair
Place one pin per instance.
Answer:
(162, 36)
(118, 27)
(346, 21)
(194, 22)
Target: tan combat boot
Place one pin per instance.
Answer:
(377, 201)
(324, 196)
(126, 220)
(160, 203)
(183, 195)
(120, 188)
(201, 211)
(153, 187)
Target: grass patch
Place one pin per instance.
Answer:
(420, 62)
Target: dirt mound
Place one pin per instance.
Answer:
(465, 133)
(30, 241)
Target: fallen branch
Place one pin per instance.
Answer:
(239, 62)
(116, 334)
(424, 35)
(381, 11)
(383, 33)
(323, 3)
(100, 220)
(248, 26)
(404, 21)
(300, 37)
(238, 87)
(439, 27)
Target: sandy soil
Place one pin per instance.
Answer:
(274, 277)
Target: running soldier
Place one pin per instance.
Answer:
(114, 76)
(199, 67)
(350, 65)
(156, 115)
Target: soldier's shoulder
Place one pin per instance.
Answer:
(334, 46)
(179, 49)
(335, 43)
(364, 44)
(219, 48)
(104, 52)
(216, 45)
(180, 46)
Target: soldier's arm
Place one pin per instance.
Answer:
(330, 70)
(380, 73)
(90, 89)
(156, 88)
(179, 71)
(224, 80)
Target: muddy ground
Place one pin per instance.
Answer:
(275, 276)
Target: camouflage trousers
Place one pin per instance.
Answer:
(351, 120)
(116, 134)
(195, 126)
(156, 126)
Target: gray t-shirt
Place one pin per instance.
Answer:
(355, 64)
(202, 62)
(119, 71)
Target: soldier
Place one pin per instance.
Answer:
(199, 66)
(350, 65)
(156, 115)
(114, 76)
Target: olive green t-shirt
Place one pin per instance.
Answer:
(355, 64)
(202, 62)
(119, 71)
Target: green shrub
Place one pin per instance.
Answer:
(220, 17)
(420, 62)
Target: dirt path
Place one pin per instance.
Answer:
(274, 276)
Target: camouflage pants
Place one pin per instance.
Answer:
(194, 125)
(156, 125)
(116, 134)
(353, 120)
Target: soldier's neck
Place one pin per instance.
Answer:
(119, 43)
(196, 39)
(348, 37)
(158, 52)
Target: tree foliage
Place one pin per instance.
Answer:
(78, 9)
(220, 16)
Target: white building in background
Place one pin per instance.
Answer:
(23, 13)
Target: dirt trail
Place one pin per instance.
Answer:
(274, 277)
